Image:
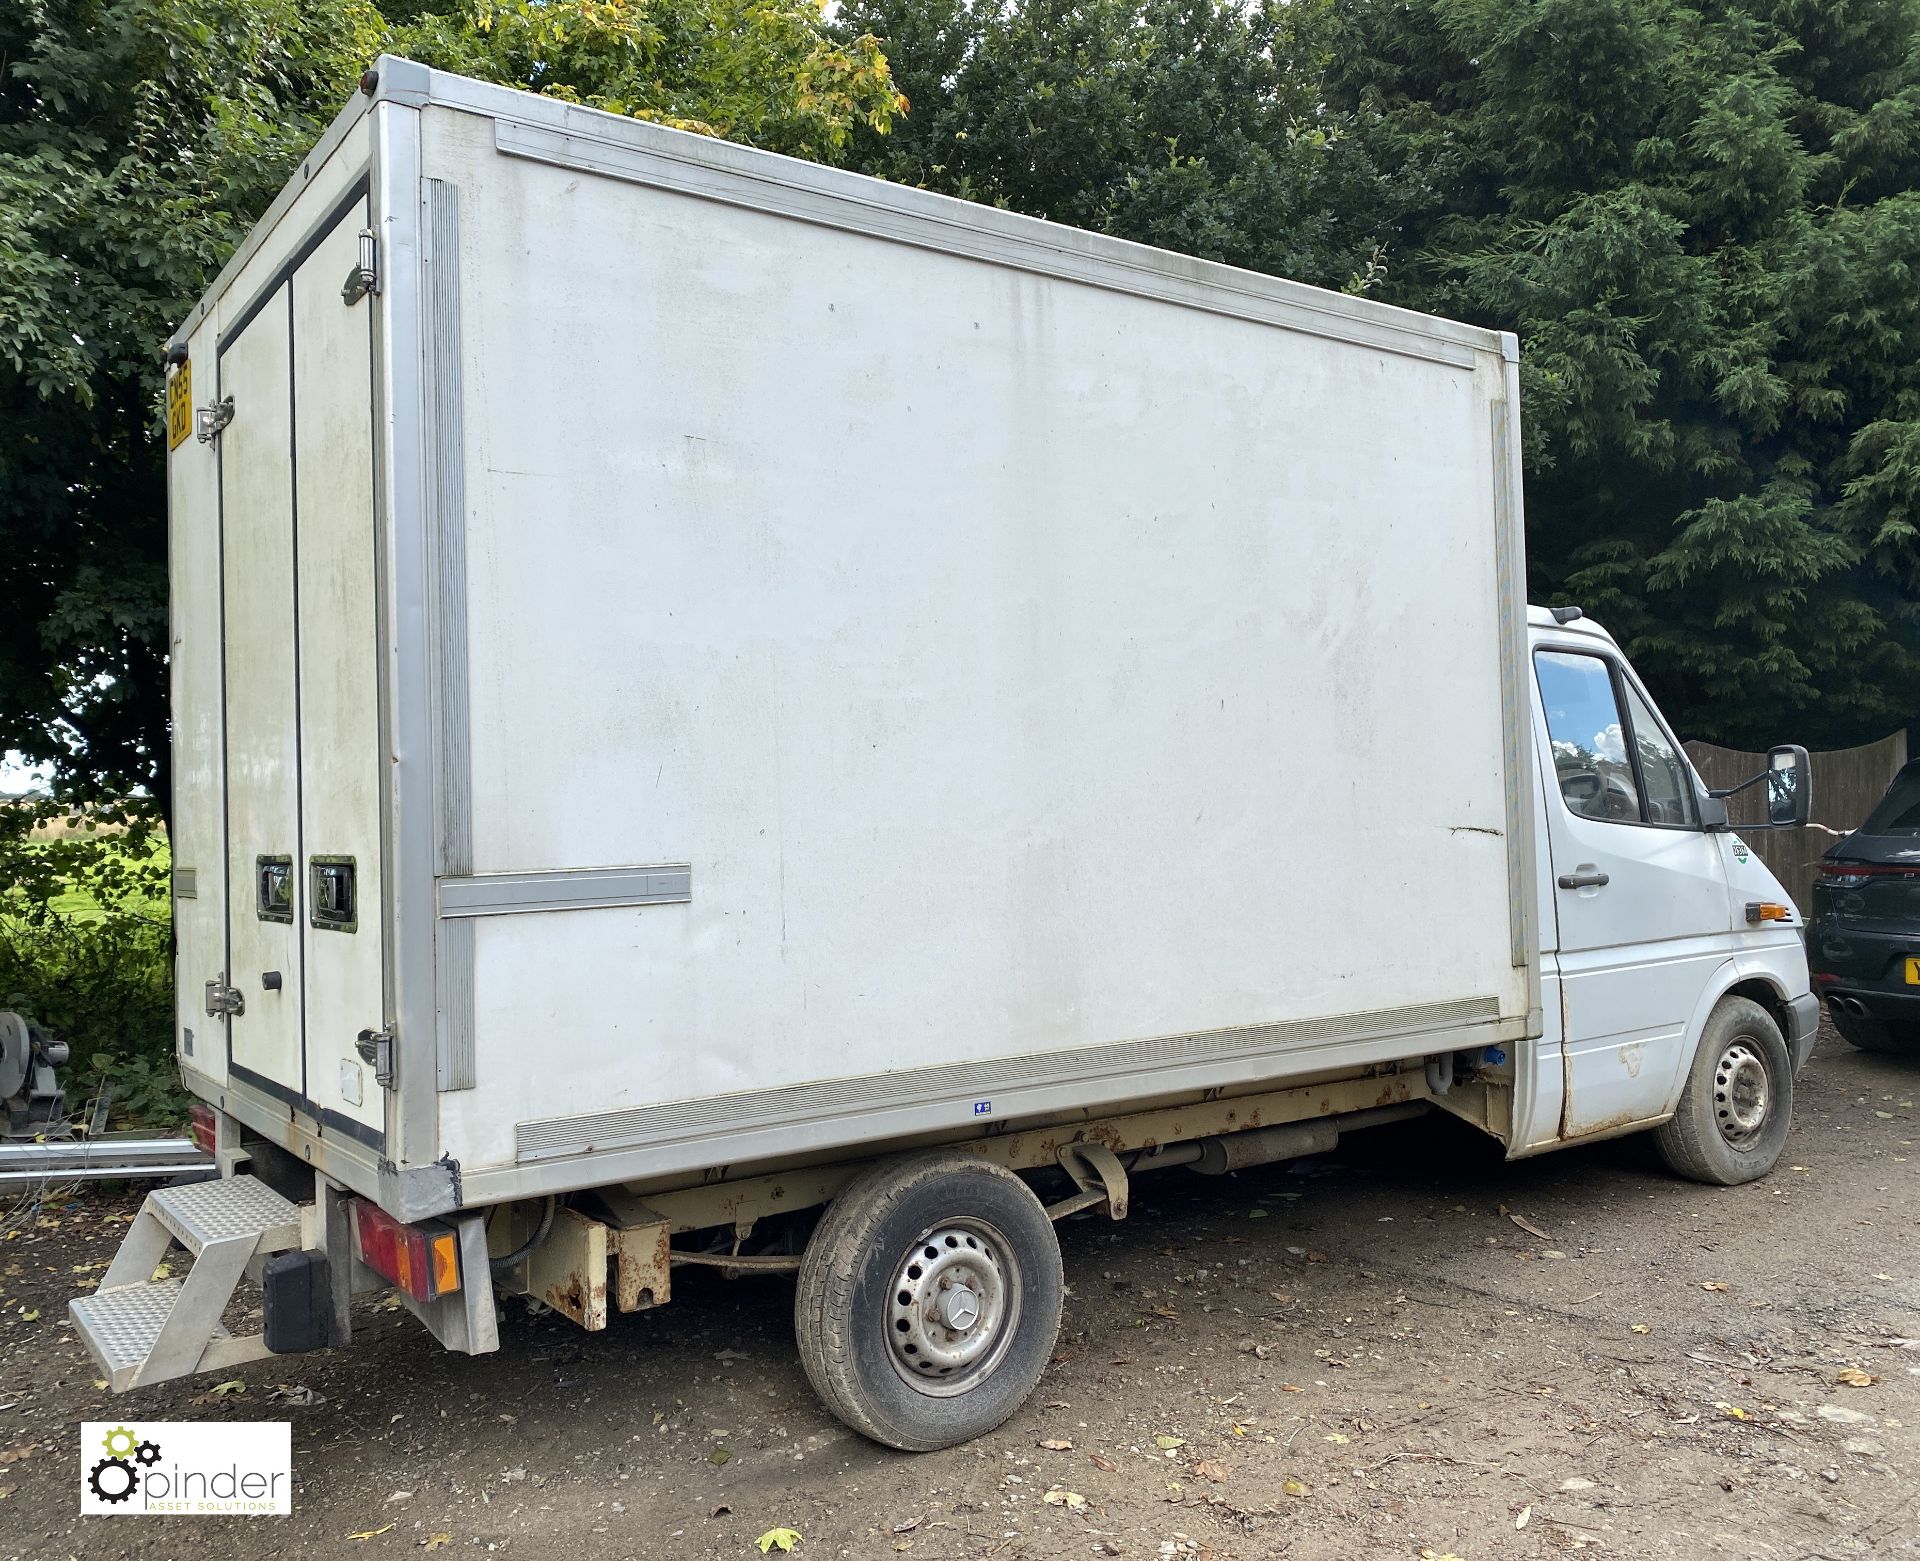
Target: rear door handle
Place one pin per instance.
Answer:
(1588, 880)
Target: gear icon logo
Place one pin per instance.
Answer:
(119, 1442)
(147, 1453)
(113, 1480)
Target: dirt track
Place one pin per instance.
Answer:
(1371, 1356)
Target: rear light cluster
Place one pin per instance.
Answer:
(1850, 875)
(201, 1126)
(423, 1260)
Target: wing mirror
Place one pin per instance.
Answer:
(1789, 787)
(1789, 781)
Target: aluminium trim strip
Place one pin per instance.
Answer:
(453, 988)
(379, 198)
(1517, 698)
(870, 1130)
(448, 644)
(902, 215)
(575, 889)
(1512, 620)
(403, 402)
(447, 638)
(971, 1084)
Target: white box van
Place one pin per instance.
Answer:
(708, 688)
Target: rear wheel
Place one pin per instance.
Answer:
(929, 1300)
(1870, 1033)
(1738, 1101)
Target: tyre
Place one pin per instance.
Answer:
(1869, 1033)
(929, 1300)
(1738, 1101)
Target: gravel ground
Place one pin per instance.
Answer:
(1408, 1349)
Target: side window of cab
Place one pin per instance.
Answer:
(1611, 757)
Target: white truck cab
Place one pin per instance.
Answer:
(1657, 926)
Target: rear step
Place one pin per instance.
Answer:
(143, 1329)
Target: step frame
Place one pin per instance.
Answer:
(192, 1338)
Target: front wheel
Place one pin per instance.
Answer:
(1737, 1103)
(929, 1300)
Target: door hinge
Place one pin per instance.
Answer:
(210, 419)
(224, 999)
(376, 1049)
(364, 278)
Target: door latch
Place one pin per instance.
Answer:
(376, 1049)
(210, 419)
(224, 999)
(364, 278)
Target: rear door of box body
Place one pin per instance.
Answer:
(282, 785)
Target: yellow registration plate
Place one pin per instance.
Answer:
(179, 406)
(1913, 972)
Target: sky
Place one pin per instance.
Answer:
(17, 776)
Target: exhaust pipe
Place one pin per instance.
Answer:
(1290, 1140)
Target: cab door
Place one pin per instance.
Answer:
(1640, 898)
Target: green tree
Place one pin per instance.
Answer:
(139, 140)
(1704, 222)
(1196, 125)
(760, 71)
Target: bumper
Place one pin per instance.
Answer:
(1803, 1022)
(1899, 1008)
(1864, 970)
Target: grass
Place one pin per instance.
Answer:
(77, 903)
(86, 951)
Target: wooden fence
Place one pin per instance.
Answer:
(1847, 782)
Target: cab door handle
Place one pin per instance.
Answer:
(1586, 880)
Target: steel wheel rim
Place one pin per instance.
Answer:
(1742, 1092)
(953, 1308)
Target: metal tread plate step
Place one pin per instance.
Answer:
(120, 1325)
(203, 1213)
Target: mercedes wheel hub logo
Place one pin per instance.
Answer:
(962, 1307)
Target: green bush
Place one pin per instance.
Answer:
(86, 952)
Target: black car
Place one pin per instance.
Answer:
(1863, 940)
